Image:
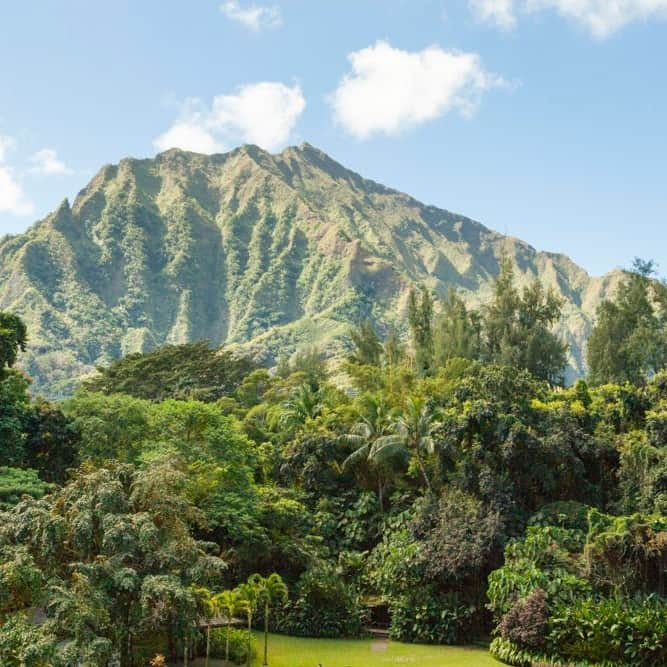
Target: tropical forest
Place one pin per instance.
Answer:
(443, 488)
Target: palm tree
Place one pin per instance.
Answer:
(374, 423)
(413, 431)
(208, 604)
(229, 603)
(248, 604)
(305, 403)
(270, 590)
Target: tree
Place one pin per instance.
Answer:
(24, 644)
(393, 348)
(457, 331)
(78, 612)
(308, 363)
(629, 340)
(517, 328)
(111, 427)
(374, 422)
(127, 534)
(413, 431)
(208, 604)
(269, 590)
(167, 603)
(305, 403)
(461, 539)
(22, 583)
(191, 370)
(14, 404)
(229, 603)
(366, 345)
(51, 441)
(420, 319)
(13, 339)
(248, 602)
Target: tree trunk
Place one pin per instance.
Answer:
(380, 494)
(186, 653)
(422, 467)
(249, 640)
(208, 643)
(171, 643)
(229, 629)
(266, 635)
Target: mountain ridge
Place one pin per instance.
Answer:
(260, 251)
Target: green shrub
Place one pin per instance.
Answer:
(568, 514)
(15, 482)
(631, 631)
(503, 650)
(424, 616)
(325, 606)
(544, 559)
(511, 654)
(238, 645)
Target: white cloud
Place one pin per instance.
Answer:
(189, 136)
(601, 17)
(12, 198)
(498, 12)
(253, 17)
(47, 162)
(390, 90)
(261, 113)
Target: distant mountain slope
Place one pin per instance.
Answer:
(270, 251)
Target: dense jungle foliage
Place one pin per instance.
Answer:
(449, 486)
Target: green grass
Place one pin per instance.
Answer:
(296, 652)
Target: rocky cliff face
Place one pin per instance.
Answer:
(271, 252)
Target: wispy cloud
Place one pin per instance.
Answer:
(47, 162)
(601, 18)
(497, 12)
(253, 17)
(389, 90)
(262, 113)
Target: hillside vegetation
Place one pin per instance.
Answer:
(271, 252)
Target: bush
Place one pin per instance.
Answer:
(324, 606)
(424, 616)
(525, 624)
(568, 514)
(631, 631)
(544, 558)
(511, 654)
(238, 645)
(504, 651)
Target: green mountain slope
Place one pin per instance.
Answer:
(267, 251)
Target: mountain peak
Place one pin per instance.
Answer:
(267, 252)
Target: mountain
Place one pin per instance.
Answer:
(271, 252)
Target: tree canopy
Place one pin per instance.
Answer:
(629, 340)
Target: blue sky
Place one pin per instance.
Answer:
(544, 119)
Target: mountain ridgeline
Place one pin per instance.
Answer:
(268, 252)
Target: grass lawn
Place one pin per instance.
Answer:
(295, 652)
